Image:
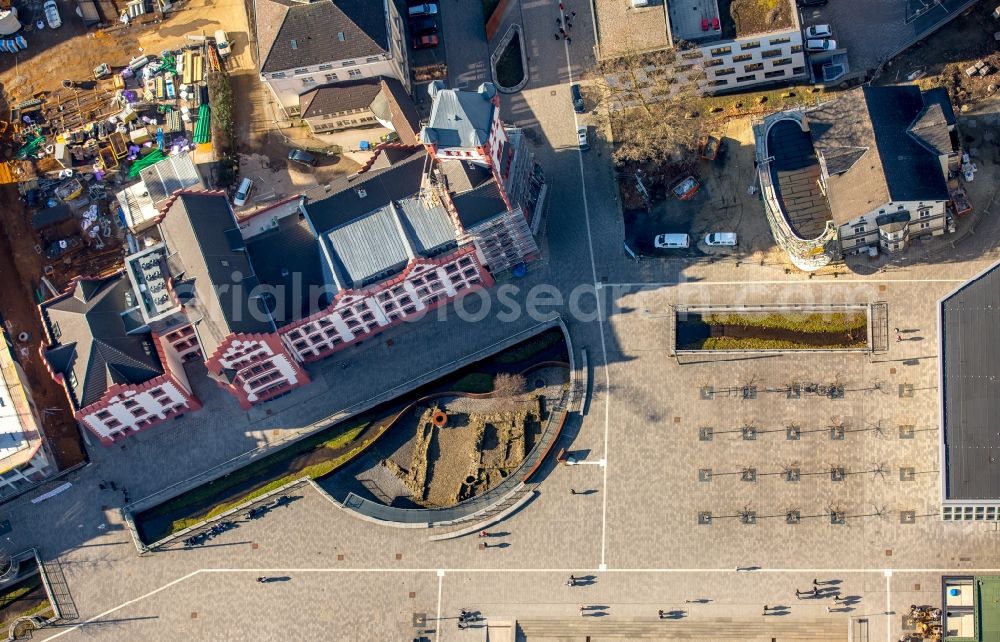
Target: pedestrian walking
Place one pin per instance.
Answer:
(766, 609)
(572, 14)
(829, 610)
(583, 610)
(569, 25)
(562, 7)
(559, 21)
(557, 36)
(815, 591)
(815, 582)
(569, 40)
(101, 486)
(660, 614)
(562, 31)
(899, 338)
(483, 534)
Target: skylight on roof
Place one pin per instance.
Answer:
(295, 43)
(340, 36)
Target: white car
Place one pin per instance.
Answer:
(821, 45)
(52, 14)
(671, 241)
(581, 135)
(819, 31)
(425, 9)
(243, 193)
(721, 238)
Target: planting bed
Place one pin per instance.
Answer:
(773, 330)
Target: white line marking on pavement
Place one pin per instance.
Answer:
(600, 317)
(663, 284)
(437, 622)
(124, 604)
(888, 604)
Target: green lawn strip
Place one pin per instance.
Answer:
(794, 321)
(41, 607)
(731, 343)
(15, 595)
(476, 382)
(530, 347)
(314, 471)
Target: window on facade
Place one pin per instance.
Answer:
(745, 78)
(749, 45)
(326, 67)
(278, 74)
(779, 41)
(859, 229)
(130, 403)
(714, 63)
(728, 71)
(770, 53)
(796, 49)
(348, 63)
(721, 51)
(331, 77)
(372, 59)
(925, 225)
(781, 61)
(299, 72)
(798, 70)
(71, 378)
(692, 55)
(925, 213)
(102, 415)
(777, 73)
(742, 57)
(756, 66)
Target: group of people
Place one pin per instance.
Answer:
(564, 24)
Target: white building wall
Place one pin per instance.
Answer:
(289, 84)
(754, 60)
(133, 410)
(925, 218)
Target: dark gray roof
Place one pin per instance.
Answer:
(207, 250)
(459, 118)
(871, 156)
(380, 187)
(90, 326)
(169, 175)
(294, 34)
(333, 99)
(970, 388)
(479, 204)
(795, 171)
(288, 260)
(463, 176)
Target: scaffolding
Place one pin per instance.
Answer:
(504, 240)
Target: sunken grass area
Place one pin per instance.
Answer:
(320, 455)
(510, 70)
(773, 330)
(24, 599)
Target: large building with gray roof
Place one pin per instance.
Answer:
(865, 172)
(969, 376)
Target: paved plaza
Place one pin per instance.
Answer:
(647, 467)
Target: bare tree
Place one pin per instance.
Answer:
(651, 99)
(506, 388)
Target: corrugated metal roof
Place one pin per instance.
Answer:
(427, 224)
(369, 246)
(169, 175)
(970, 353)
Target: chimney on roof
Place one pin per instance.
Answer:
(434, 88)
(487, 90)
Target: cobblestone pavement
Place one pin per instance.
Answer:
(637, 532)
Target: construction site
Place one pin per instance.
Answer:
(86, 106)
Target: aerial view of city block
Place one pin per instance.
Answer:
(500, 320)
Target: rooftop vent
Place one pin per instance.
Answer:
(340, 36)
(362, 193)
(295, 43)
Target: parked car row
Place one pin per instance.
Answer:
(423, 25)
(820, 38)
(683, 241)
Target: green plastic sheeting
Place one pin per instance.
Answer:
(29, 148)
(150, 159)
(203, 128)
(167, 63)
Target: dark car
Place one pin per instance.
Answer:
(577, 98)
(300, 156)
(424, 25)
(427, 41)
(812, 3)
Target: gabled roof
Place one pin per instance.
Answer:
(379, 187)
(873, 154)
(294, 34)
(93, 346)
(169, 175)
(479, 204)
(459, 118)
(338, 98)
(207, 251)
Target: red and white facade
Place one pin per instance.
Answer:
(261, 368)
(359, 314)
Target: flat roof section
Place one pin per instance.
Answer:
(795, 171)
(970, 388)
(694, 20)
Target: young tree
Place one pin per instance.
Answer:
(506, 388)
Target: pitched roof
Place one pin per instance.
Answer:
(94, 346)
(208, 252)
(479, 204)
(294, 34)
(970, 387)
(369, 247)
(165, 177)
(402, 112)
(288, 260)
(871, 156)
(338, 98)
(379, 187)
(459, 118)
(796, 172)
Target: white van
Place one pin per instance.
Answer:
(672, 241)
(222, 44)
(243, 193)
